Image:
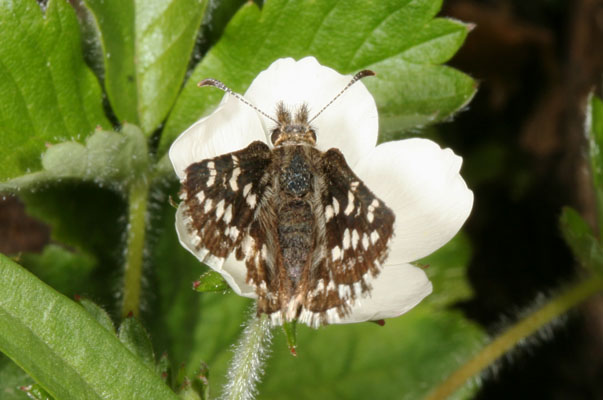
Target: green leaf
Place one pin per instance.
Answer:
(11, 379)
(218, 13)
(164, 369)
(200, 381)
(594, 132)
(133, 335)
(290, 331)
(114, 159)
(197, 387)
(48, 93)
(579, 238)
(447, 271)
(66, 271)
(399, 40)
(63, 348)
(211, 281)
(98, 313)
(147, 46)
(187, 392)
(401, 360)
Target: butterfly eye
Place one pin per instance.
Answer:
(275, 134)
(313, 134)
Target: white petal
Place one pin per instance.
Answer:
(397, 289)
(231, 127)
(234, 272)
(421, 183)
(349, 124)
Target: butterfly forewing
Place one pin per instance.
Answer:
(221, 196)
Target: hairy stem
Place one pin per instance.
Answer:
(246, 368)
(522, 329)
(137, 200)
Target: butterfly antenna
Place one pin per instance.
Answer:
(356, 78)
(216, 83)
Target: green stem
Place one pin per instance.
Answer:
(246, 367)
(522, 329)
(137, 200)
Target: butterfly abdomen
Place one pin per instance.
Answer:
(295, 218)
(295, 228)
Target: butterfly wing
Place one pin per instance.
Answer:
(358, 229)
(220, 198)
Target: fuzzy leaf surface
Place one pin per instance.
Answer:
(48, 92)
(107, 158)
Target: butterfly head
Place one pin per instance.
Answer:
(292, 129)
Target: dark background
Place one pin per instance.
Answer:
(524, 149)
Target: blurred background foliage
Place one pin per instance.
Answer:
(521, 136)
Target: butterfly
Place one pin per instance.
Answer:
(311, 234)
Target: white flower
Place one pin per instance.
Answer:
(418, 180)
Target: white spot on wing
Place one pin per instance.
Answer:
(220, 209)
(332, 315)
(346, 239)
(365, 241)
(350, 206)
(211, 180)
(328, 213)
(344, 291)
(355, 239)
(246, 246)
(320, 286)
(211, 167)
(200, 197)
(228, 214)
(336, 253)
(233, 233)
(207, 206)
(374, 237)
(264, 252)
(233, 179)
(276, 318)
(335, 206)
(246, 189)
(357, 289)
(251, 200)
